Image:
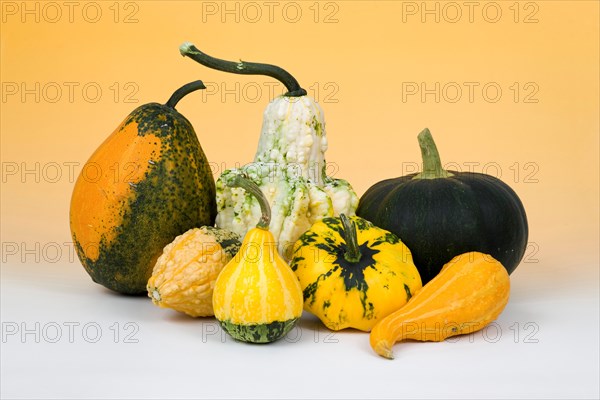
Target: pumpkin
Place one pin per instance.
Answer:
(440, 214)
(353, 273)
(148, 182)
(470, 292)
(185, 274)
(289, 165)
(257, 297)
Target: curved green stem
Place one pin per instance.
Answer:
(245, 68)
(432, 165)
(352, 254)
(184, 91)
(243, 181)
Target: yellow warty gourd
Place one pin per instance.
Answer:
(185, 274)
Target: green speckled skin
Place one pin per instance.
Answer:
(259, 333)
(229, 241)
(176, 194)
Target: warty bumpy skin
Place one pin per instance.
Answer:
(290, 168)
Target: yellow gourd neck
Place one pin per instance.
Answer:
(259, 246)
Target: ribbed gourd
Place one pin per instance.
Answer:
(185, 274)
(257, 297)
(440, 214)
(148, 182)
(289, 165)
(353, 273)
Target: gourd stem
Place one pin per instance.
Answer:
(241, 180)
(245, 68)
(184, 91)
(352, 254)
(432, 164)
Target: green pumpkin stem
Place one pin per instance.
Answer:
(352, 254)
(184, 91)
(245, 68)
(432, 165)
(243, 181)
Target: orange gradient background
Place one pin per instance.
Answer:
(361, 60)
(357, 58)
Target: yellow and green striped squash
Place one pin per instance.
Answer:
(257, 298)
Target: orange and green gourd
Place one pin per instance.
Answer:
(147, 183)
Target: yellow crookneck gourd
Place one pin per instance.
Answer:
(469, 292)
(257, 297)
(353, 273)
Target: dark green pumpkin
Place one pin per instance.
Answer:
(147, 183)
(440, 214)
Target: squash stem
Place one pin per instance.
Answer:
(184, 91)
(243, 181)
(352, 254)
(432, 164)
(245, 68)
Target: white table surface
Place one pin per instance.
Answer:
(65, 337)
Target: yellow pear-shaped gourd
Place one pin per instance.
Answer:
(257, 298)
